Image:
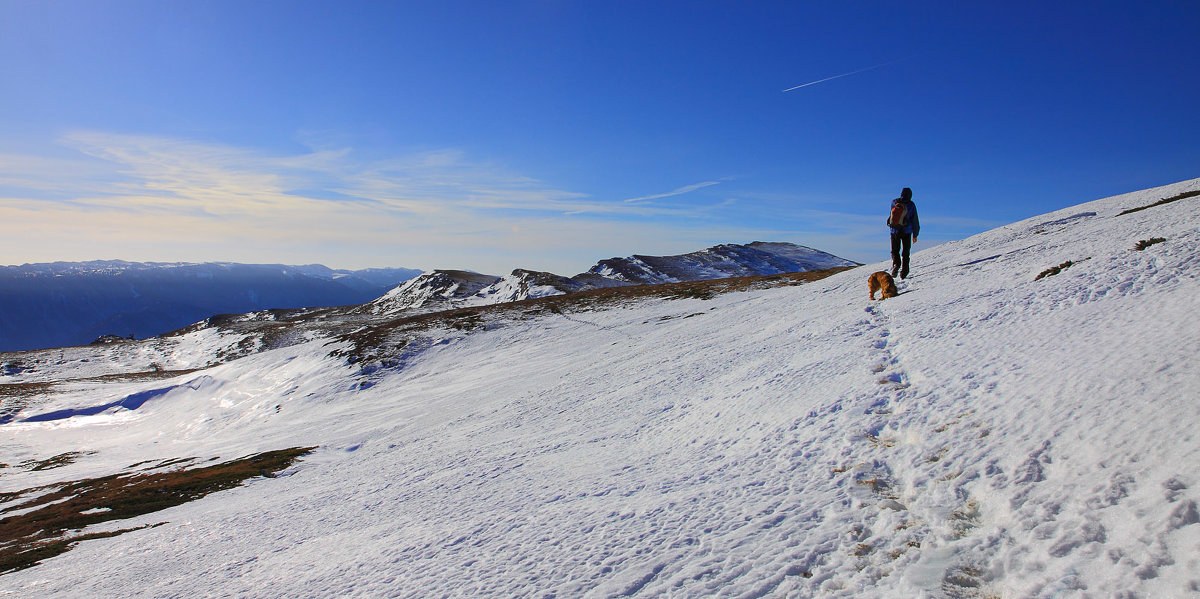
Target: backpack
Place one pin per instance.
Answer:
(898, 217)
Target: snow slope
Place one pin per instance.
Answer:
(984, 434)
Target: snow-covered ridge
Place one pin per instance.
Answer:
(444, 289)
(984, 434)
(726, 260)
(437, 289)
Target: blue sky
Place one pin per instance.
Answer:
(550, 134)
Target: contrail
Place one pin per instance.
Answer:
(840, 76)
(677, 192)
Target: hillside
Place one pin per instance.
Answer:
(1019, 422)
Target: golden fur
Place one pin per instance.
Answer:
(882, 281)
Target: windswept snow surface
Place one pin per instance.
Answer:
(981, 435)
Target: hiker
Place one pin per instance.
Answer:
(903, 222)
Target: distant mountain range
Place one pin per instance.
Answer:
(65, 304)
(449, 289)
(73, 303)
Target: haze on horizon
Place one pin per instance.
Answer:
(546, 135)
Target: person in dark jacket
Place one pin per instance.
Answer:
(904, 232)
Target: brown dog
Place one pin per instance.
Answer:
(882, 281)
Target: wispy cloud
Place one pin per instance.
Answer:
(225, 181)
(674, 192)
(51, 177)
(157, 198)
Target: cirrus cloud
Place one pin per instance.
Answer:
(148, 197)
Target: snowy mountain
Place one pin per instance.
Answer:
(433, 291)
(729, 260)
(445, 289)
(1019, 422)
(73, 303)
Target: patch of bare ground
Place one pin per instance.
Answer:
(23, 389)
(1175, 198)
(53, 517)
(58, 461)
(1145, 243)
(130, 377)
(1053, 270)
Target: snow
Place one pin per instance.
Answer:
(437, 290)
(512, 288)
(981, 435)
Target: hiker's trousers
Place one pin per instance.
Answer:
(901, 245)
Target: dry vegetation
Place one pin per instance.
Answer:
(1053, 270)
(52, 518)
(1175, 198)
(1145, 243)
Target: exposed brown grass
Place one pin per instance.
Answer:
(1053, 270)
(1145, 243)
(52, 512)
(129, 377)
(58, 461)
(23, 389)
(1175, 198)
